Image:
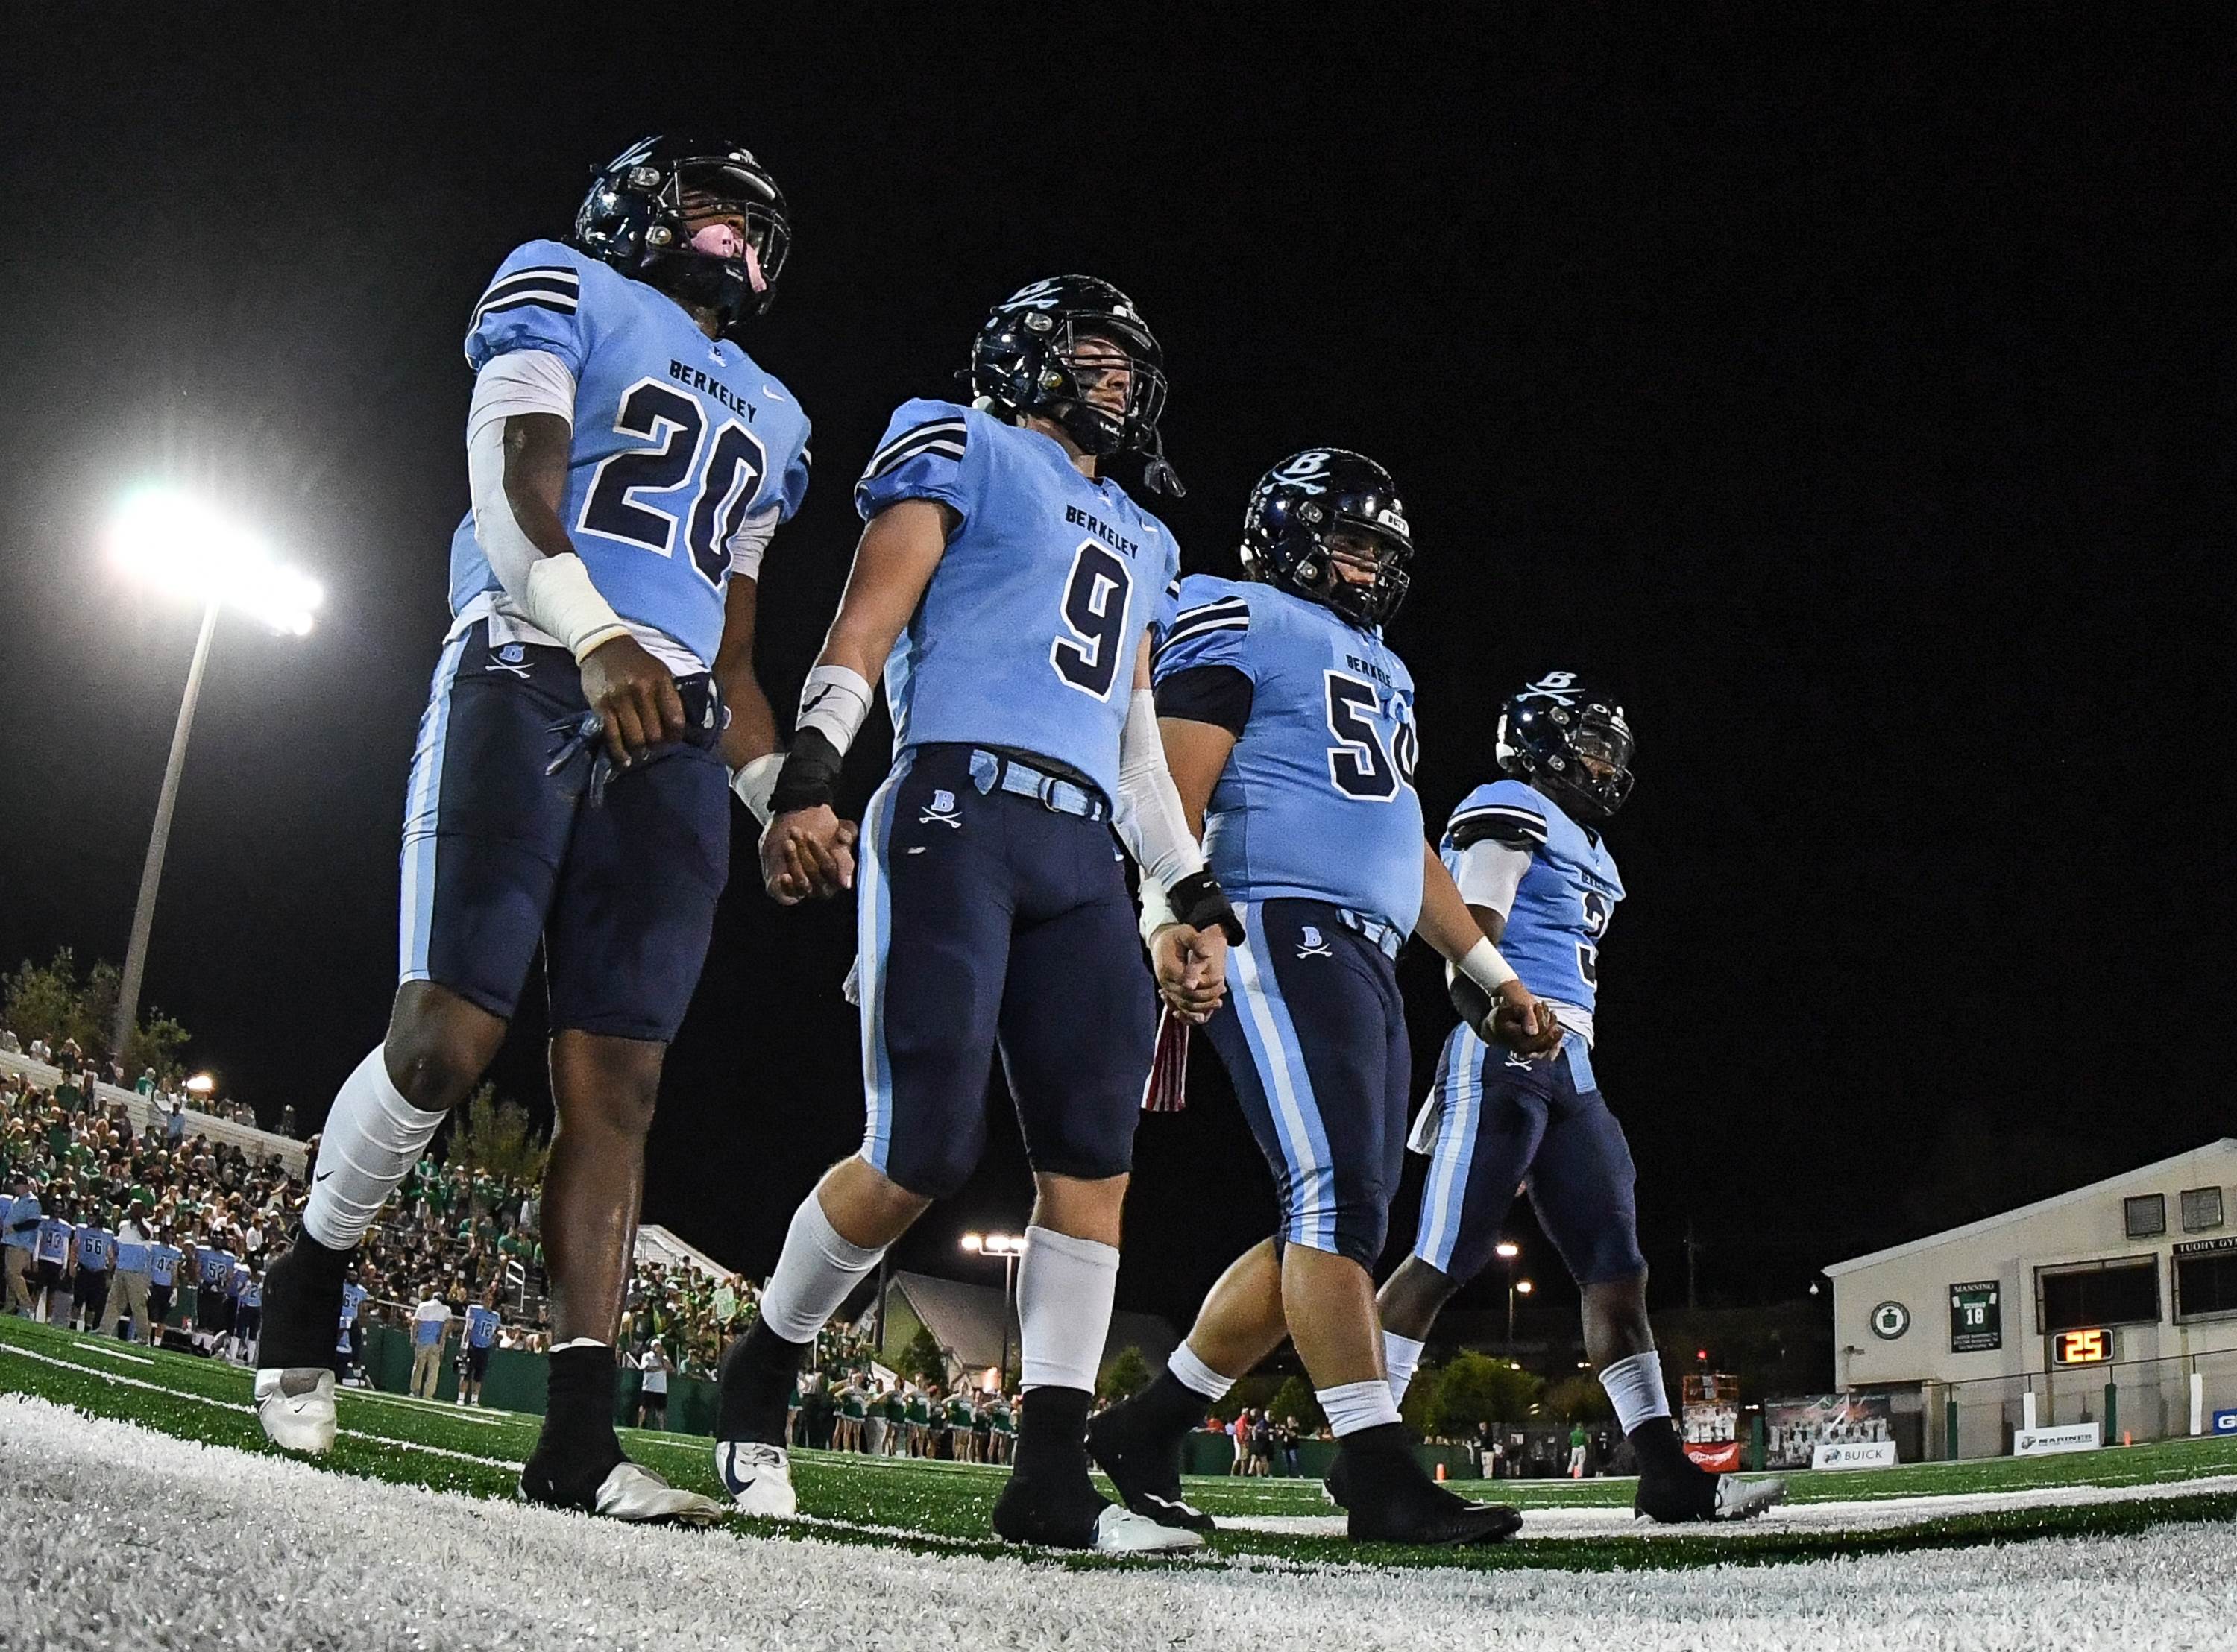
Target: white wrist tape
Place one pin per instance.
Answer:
(834, 701)
(558, 598)
(1482, 965)
(1157, 908)
(755, 782)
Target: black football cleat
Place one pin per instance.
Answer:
(1679, 1494)
(1074, 1518)
(1146, 1471)
(295, 1383)
(1429, 1516)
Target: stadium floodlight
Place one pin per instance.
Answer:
(201, 1084)
(1506, 1249)
(974, 1243)
(175, 543)
(1524, 1285)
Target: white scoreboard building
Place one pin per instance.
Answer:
(2114, 1304)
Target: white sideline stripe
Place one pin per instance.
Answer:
(903, 1533)
(462, 1413)
(1884, 1514)
(502, 1571)
(228, 1405)
(113, 1353)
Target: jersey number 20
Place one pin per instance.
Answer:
(674, 426)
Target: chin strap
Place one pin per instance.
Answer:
(1157, 473)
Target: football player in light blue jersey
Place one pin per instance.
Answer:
(1003, 587)
(1527, 855)
(595, 702)
(1288, 724)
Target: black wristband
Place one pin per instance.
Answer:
(1199, 901)
(809, 778)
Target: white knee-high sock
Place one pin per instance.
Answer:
(1400, 1356)
(1064, 1289)
(373, 1135)
(1195, 1376)
(1635, 1387)
(1351, 1407)
(814, 1276)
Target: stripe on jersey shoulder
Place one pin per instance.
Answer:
(1504, 822)
(1232, 614)
(947, 446)
(954, 428)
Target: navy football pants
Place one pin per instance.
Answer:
(1508, 1123)
(498, 854)
(987, 921)
(1313, 1036)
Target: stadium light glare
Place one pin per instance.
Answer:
(1524, 1286)
(201, 1084)
(176, 543)
(1506, 1249)
(974, 1243)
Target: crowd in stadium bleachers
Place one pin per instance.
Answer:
(204, 1219)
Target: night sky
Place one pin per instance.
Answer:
(1857, 401)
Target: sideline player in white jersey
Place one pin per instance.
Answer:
(1528, 854)
(595, 699)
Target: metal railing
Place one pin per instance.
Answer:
(2132, 1400)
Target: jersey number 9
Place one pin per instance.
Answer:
(1095, 614)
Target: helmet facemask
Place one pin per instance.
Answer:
(718, 239)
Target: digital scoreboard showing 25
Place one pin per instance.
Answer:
(2081, 1347)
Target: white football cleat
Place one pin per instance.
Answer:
(296, 1408)
(758, 1478)
(1739, 1499)
(635, 1492)
(1121, 1531)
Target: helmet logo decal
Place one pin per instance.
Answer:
(1040, 295)
(1304, 471)
(1557, 686)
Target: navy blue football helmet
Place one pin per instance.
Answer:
(1548, 729)
(1306, 497)
(639, 213)
(1027, 359)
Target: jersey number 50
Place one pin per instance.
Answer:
(674, 426)
(1359, 764)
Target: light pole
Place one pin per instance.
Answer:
(1507, 1250)
(179, 544)
(1009, 1248)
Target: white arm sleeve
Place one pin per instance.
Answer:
(555, 593)
(1490, 873)
(1149, 817)
(751, 540)
(520, 381)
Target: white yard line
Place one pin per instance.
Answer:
(365, 1566)
(107, 1353)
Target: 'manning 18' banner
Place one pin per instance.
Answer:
(1794, 1429)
